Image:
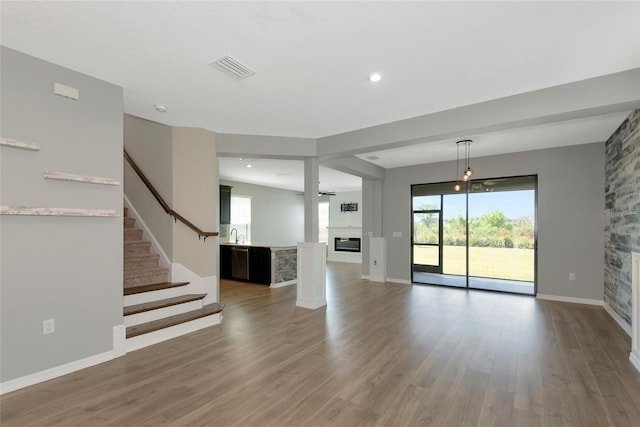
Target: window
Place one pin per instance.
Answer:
(323, 222)
(241, 217)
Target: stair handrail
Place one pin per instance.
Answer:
(175, 215)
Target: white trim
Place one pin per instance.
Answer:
(65, 176)
(161, 313)
(364, 277)
(634, 358)
(197, 285)
(283, 284)
(19, 144)
(119, 341)
(570, 299)
(175, 331)
(164, 259)
(55, 372)
(403, 281)
(35, 211)
(619, 320)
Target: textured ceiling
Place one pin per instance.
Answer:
(312, 60)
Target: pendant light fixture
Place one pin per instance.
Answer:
(468, 172)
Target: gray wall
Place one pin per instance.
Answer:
(150, 145)
(63, 268)
(622, 219)
(570, 213)
(277, 216)
(195, 197)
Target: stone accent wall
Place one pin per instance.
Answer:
(622, 213)
(286, 265)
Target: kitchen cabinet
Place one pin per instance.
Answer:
(225, 204)
(225, 262)
(260, 265)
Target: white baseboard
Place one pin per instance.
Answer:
(619, 320)
(403, 281)
(119, 349)
(311, 304)
(570, 299)
(364, 277)
(282, 284)
(634, 358)
(58, 371)
(164, 259)
(119, 341)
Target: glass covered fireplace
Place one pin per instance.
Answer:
(347, 244)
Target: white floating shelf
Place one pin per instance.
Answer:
(63, 176)
(28, 210)
(19, 144)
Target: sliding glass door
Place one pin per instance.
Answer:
(482, 237)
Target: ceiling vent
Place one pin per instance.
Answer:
(233, 67)
(373, 157)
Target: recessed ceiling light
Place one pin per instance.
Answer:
(161, 108)
(249, 165)
(375, 77)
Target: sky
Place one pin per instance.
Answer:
(512, 203)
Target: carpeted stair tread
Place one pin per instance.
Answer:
(168, 302)
(145, 271)
(132, 234)
(129, 222)
(140, 261)
(154, 287)
(207, 310)
(137, 247)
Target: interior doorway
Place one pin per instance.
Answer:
(482, 237)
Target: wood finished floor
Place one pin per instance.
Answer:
(379, 354)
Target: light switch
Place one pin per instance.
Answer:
(397, 234)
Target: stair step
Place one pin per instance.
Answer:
(135, 262)
(144, 328)
(129, 222)
(145, 280)
(131, 234)
(126, 211)
(137, 247)
(153, 287)
(168, 302)
(144, 272)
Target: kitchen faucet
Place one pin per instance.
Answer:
(231, 233)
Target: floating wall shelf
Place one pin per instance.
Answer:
(63, 176)
(33, 211)
(19, 144)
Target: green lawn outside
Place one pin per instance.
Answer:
(499, 263)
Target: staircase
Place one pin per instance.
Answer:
(156, 309)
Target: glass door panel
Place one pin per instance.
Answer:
(454, 234)
(427, 248)
(502, 234)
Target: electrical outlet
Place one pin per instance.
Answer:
(48, 326)
(572, 276)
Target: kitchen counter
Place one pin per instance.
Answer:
(260, 245)
(267, 264)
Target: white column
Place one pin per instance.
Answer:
(311, 275)
(311, 286)
(311, 180)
